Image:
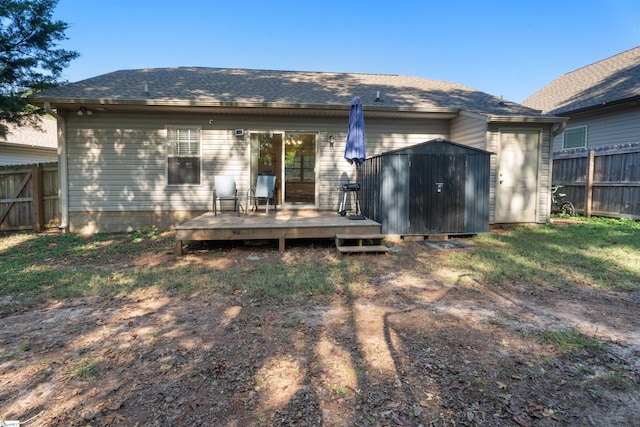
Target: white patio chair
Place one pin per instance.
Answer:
(265, 190)
(225, 189)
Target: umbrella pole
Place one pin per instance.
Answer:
(358, 214)
(359, 181)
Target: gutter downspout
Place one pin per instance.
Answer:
(62, 167)
(561, 127)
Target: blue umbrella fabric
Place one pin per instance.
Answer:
(355, 150)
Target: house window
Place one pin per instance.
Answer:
(575, 137)
(183, 156)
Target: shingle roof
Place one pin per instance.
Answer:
(613, 79)
(226, 86)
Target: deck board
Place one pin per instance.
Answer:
(281, 225)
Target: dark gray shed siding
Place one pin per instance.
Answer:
(434, 187)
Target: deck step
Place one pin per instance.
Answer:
(360, 243)
(369, 236)
(363, 249)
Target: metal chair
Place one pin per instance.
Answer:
(225, 189)
(265, 190)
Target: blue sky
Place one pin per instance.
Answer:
(505, 48)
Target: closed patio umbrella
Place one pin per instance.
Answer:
(355, 151)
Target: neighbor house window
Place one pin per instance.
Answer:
(183, 156)
(575, 137)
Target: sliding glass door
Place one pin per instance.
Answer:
(291, 157)
(300, 168)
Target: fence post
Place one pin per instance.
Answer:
(589, 184)
(37, 198)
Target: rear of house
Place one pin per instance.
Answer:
(142, 147)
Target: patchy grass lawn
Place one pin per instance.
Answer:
(529, 326)
(38, 268)
(598, 253)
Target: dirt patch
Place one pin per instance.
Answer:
(418, 345)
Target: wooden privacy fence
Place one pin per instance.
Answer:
(29, 197)
(601, 182)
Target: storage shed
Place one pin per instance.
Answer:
(436, 187)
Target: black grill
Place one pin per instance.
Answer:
(351, 187)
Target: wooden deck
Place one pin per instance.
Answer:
(283, 225)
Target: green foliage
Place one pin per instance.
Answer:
(279, 280)
(40, 267)
(87, 370)
(570, 341)
(339, 389)
(616, 380)
(36, 268)
(598, 252)
(29, 59)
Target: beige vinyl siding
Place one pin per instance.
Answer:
(381, 136)
(117, 162)
(470, 130)
(613, 128)
(331, 168)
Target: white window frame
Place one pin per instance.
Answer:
(583, 129)
(174, 145)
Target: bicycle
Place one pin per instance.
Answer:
(559, 204)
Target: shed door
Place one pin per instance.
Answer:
(437, 187)
(517, 180)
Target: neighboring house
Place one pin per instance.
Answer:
(142, 147)
(601, 100)
(26, 145)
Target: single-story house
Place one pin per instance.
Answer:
(27, 145)
(141, 147)
(601, 100)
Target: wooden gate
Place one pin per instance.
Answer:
(29, 197)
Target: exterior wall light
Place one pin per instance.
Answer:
(82, 111)
(331, 141)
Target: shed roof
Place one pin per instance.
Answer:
(437, 146)
(230, 87)
(604, 82)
